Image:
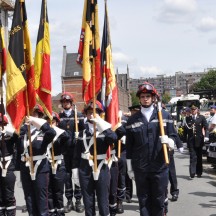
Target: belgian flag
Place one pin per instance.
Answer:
(42, 63)
(3, 52)
(89, 49)
(109, 87)
(16, 71)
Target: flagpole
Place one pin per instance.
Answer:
(93, 90)
(2, 106)
(27, 107)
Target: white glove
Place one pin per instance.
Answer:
(101, 124)
(75, 176)
(206, 139)
(37, 122)
(130, 171)
(168, 141)
(181, 150)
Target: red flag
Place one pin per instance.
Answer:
(111, 92)
(16, 85)
(3, 50)
(89, 49)
(42, 63)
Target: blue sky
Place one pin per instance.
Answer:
(152, 37)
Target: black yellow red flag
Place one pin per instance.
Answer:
(42, 63)
(89, 49)
(16, 84)
(109, 93)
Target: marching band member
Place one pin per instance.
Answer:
(94, 183)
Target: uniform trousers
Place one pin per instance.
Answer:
(151, 191)
(100, 188)
(35, 192)
(7, 199)
(56, 191)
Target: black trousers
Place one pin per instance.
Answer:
(122, 165)
(7, 199)
(36, 192)
(196, 165)
(56, 191)
(70, 192)
(113, 186)
(172, 176)
(100, 188)
(151, 191)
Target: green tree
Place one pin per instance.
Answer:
(208, 81)
(166, 97)
(134, 99)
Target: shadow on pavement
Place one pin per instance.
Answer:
(204, 194)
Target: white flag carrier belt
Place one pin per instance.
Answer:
(87, 156)
(57, 158)
(113, 158)
(7, 159)
(26, 158)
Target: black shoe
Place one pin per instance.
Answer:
(192, 175)
(199, 175)
(120, 208)
(24, 209)
(78, 207)
(69, 207)
(174, 198)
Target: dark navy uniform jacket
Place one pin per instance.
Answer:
(194, 130)
(7, 148)
(143, 144)
(39, 144)
(104, 140)
(68, 124)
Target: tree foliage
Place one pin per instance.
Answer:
(208, 81)
(134, 99)
(166, 97)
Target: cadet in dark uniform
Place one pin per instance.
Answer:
(67, 123)
(128, 181)
(94, 183)
(55, 152)
(118, 170)
(196, 125)
(35, 182)
(145, 156)
(7, 168)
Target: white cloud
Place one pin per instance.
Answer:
(177, 11)
(122, 59)
(207, 24)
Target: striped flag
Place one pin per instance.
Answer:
(42, 63)
(16, 85)
(109, 87)
(30, 78)
(3, 51)
(89, 49)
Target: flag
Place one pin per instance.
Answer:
(89, 50)
(109, 87)
(16, 84)
(30, 79)
(2, 50)
(42, 63)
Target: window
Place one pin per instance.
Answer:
(76, 73)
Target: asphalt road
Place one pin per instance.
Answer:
(197, 197)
